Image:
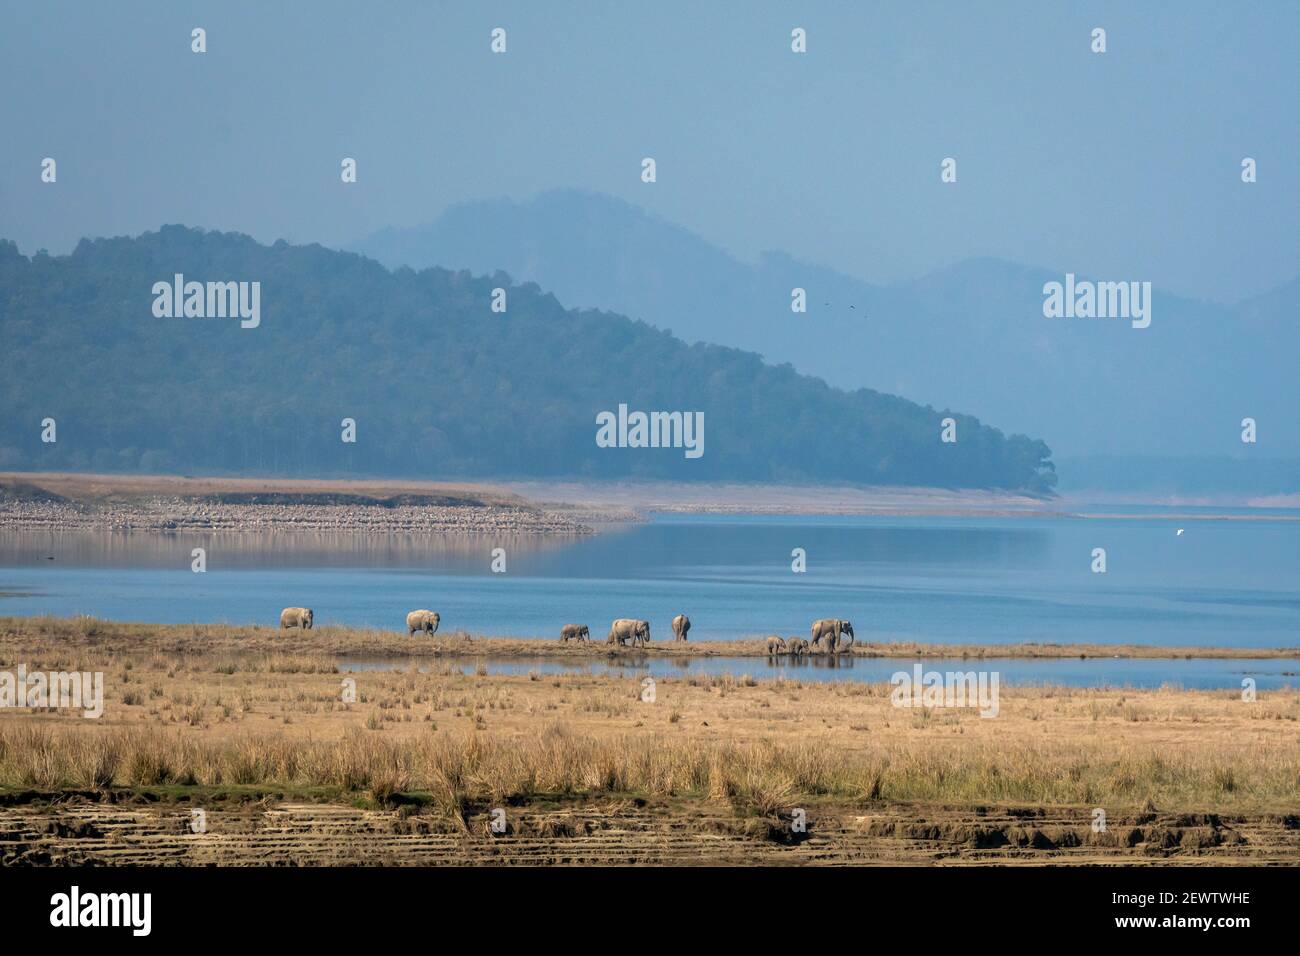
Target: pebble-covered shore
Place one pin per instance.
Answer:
(182, 514)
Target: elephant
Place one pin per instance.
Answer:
(296, 617)
(775, 645)
(796, 646)
(831, 629)
(624, 628)
(422, 621)
(579, 632)
(681, 626)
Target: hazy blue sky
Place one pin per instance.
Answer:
(1122, 165)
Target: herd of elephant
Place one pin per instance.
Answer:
(833, 634)
(827, 633)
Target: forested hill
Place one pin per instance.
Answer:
(437, 383)
(970, 334)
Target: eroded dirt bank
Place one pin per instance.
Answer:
(625, 832)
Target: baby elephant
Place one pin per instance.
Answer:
(775, 645)
(796, 646)
(422, 621)
(296, 617)
(578, 632)
(681, 627)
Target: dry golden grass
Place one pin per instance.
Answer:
(454, 731)
(556, 760)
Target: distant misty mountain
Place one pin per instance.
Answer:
(972, 336)
(260, 370)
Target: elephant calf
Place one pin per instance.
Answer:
(296, 617)
(775, 645)
(624, 628)
(796, 646)
(681, 627)
(422, 620)
(578, 632)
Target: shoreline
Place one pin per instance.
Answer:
(64, 502)
(69, 501)
(20, 633)
(735, 498)
(166, 515)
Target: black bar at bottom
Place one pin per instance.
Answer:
(334, 906)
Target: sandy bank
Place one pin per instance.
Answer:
(19, 635)
(65, 502)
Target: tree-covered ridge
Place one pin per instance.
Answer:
(438, 384)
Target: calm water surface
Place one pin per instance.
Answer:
(1192, 674)
(1233, 583)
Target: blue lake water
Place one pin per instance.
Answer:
(1204, 674)
(1233, 583)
